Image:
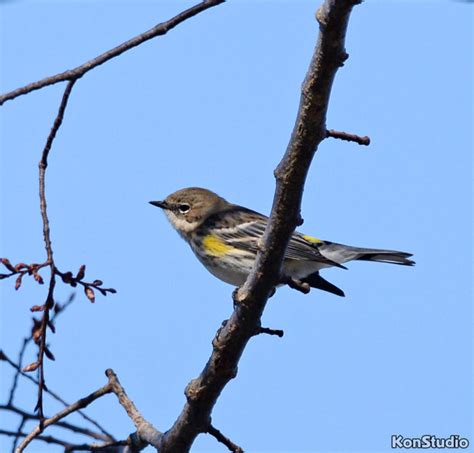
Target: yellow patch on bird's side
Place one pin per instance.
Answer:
(215, 246)
(312, 239)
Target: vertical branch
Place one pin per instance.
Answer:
(43, 164)
(45, 321)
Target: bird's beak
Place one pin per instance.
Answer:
(160, 204)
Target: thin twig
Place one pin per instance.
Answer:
(43, 164)
(268, 331)
(78, 72)
(365, 140)
(58, 309)
(224, 440)
(21, 269)
(70, 279)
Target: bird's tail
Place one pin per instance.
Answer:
(316, 281)
(344, 253)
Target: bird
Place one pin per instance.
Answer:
(225, 239)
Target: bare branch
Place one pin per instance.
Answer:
(45, 321)
(348, 137)
(224, 440)
(146, 432)
(250, 300)
(266, 330)
(77, 73)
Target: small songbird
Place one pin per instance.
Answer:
(225, 238)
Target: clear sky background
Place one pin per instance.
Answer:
(213, 104)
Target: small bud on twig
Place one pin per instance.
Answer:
(7, 264)
(38, 278)
(31, 367)
(18, 282)
(51, 326)
(49, 354)
(81, 273)
(89, 293)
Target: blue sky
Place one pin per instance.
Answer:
(213, 104)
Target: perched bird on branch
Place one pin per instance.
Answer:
(225, 238)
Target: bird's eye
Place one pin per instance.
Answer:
(183, 208)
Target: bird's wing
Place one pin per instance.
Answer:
(246, 234)
(303, 247)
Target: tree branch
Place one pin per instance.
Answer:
(268, 331)
(214, 432)
(146, 433)
(45, 321)
(78, 72)
(365, 140)
(309, 131)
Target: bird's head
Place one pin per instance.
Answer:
(188, 208)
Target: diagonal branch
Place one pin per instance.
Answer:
(146, 433)
(111, 446)
(224, 440)
(79, 404)
(78, 72)
(66, 425)
(54, 395)
(309, 131)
